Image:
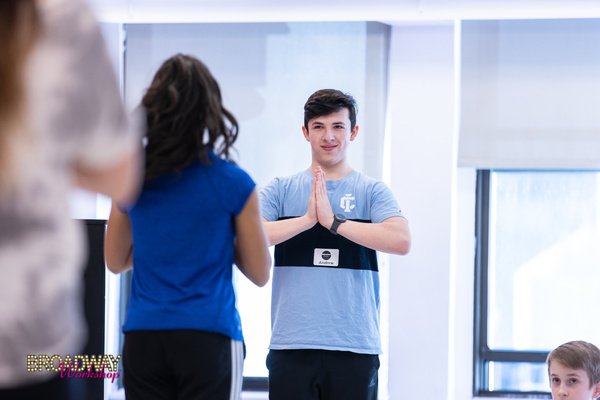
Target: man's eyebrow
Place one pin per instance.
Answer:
(333, 123)
(322, 123)
(569, 374)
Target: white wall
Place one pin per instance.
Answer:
(530, 94)
(425, 304)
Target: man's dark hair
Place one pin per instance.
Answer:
(327, 101)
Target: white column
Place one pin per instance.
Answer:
(421, 125)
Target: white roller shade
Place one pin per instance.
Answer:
(530, 94)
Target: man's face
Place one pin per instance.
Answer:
(329, 137)
(571, 384)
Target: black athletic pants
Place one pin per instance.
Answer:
(322, 375)
(181, 365)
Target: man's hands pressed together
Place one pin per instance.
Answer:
(320, 201)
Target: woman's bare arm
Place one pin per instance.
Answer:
(252, 245)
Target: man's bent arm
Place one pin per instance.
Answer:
(282, 230)
(390, 236)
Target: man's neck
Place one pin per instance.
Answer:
(334, 172)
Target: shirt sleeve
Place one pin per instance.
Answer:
(383, 203)
(270, 200)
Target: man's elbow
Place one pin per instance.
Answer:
(399, 236)
(402, 247)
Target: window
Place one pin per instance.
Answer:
(537, 280)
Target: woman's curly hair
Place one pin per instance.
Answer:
(185, 117)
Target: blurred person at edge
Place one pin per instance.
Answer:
(62, 124)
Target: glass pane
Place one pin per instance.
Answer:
(544, 259)
(518, 377)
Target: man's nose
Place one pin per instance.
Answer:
(562, 390)
(328, 134)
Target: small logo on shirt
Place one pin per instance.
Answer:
(326, 257)
(347, 201)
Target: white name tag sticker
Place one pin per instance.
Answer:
(326, 257)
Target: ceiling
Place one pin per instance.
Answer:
(388, 11)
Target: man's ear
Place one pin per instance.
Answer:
(596, 391)
(305, 131)
(354, 133)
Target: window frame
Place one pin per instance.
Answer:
(482, 354)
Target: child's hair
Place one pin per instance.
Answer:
(185, 117)
(578, 355)
(327, 101)
(19, 27)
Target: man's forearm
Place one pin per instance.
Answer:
(390, 236)
(282, 230)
